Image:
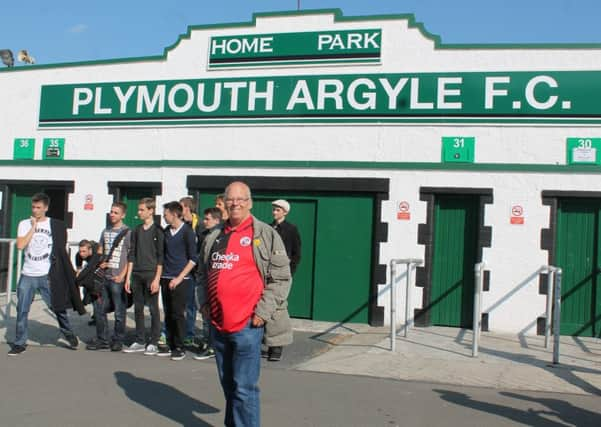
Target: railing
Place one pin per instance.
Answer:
(10, 273)
(410, 263)
(553, 309)
(477, 320)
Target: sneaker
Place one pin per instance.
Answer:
(189, 342)
(163, 351)
(178, 354)
(207, 354)
(72, 340)
(162, 340)
(274, 354)
(16, 350)
(96, 345)
(135, 348)
(151, 350)
(116, 346)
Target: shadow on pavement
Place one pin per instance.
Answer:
(566, 372)
(164, 399)
(561, 410)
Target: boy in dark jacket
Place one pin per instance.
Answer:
(211, 220)
(180, 258)
(144, 269)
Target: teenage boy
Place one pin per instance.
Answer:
(46, 269)
(114, 241)
(179, 260)
(85, 259)
(144, 268)
(220, 204)
(191, 218)
(211, 220)
(292, 242)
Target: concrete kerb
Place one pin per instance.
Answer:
(443, 355)
(434, 354)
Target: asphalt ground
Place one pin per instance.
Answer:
(332, 375)
(55, 386)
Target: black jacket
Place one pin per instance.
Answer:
(86, 278)
(64, 292)
(289, 234)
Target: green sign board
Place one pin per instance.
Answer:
(23, 148)
(53, 148)
(572, 97)
(583, 151)
(459, 149)
(295, 48)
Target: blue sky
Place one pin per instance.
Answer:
(75, 30)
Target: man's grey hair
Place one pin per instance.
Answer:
(245, 185)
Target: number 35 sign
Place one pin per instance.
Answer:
(53, 148)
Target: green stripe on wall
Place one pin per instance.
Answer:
(299, 164)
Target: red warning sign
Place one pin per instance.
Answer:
(403, 213)
(88, 203)
(517, 215)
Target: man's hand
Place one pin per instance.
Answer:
(174, 282)
(119, 278)
(33, 221)
(127, 287)
(104, 265)
(257, 322)
(154, 286)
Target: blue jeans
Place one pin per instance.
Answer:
(112, 292)
(238, 357)
(26, 289)
(191, 309)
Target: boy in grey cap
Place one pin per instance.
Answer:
(292, 242)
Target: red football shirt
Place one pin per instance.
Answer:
(234, 282)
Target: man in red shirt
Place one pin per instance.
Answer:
(245, 273)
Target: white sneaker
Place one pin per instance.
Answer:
(134, 348)
(207, 354)
(151, 350)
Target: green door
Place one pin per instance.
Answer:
(343, 258)
(131, 196)
(333, 278)
(578, 253)
(454, 256)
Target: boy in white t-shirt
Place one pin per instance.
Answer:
(35, 238)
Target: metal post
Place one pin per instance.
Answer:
(477, 309)
(392, 306)
(408, 318)
(550, 275)
(556, 315)
(393, 296)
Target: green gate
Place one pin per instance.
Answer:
(333, 278)
(577, 253)
(131, 196)
(456, 221)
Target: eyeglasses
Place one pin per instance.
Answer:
(237, 200)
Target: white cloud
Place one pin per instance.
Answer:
(79, 28)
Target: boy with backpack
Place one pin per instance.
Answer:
(144, 269)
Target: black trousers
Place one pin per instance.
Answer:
(174, 305)
(140, 288)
